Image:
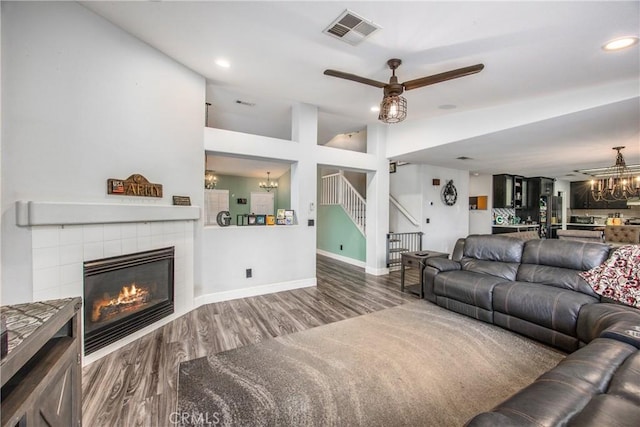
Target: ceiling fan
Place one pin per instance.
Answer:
(393, 108)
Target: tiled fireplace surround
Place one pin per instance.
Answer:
(59, 251)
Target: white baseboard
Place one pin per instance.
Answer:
(377, 271)
(253, 291)
(342, 258)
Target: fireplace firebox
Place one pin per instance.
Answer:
(124, 294)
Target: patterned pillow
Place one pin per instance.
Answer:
(618, 277)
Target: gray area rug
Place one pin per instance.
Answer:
(411, 365)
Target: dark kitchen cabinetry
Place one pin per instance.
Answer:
(581, 198)
(538, 186)
(509, 191)
(503, 191)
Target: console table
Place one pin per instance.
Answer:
(417, 260)
(41, 372)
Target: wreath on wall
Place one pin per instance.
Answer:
(449, 194)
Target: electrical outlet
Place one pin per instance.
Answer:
(428, 220)
(249, 273)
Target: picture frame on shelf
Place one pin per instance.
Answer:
(280, 213)
(280, 221)
(271, 220)
(261, 220)
(251, 219)
(289, 216)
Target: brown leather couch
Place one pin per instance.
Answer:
(533, 288)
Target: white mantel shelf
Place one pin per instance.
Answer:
(30, 213)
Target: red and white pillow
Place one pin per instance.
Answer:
(618, 277)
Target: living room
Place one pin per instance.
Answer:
(87, 98)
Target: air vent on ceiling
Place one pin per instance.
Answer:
(351, 28)
(463, 158)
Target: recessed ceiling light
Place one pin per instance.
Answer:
(375, 108)
(620, 43)
(221, 62)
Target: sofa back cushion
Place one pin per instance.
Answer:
(492, 254)
(558, 262)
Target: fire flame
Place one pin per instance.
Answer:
(127, 297)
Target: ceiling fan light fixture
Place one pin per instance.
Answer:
(393, 109)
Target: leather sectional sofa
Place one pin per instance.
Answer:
(533, 288)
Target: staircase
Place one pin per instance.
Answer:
(337, 190)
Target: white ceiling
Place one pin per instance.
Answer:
(278, 54)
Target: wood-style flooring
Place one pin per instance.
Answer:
(136, 385)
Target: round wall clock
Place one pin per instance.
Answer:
(449, 194)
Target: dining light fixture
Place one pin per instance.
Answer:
(393, 109)
(210, 180)
(268, 185)
(617, 182)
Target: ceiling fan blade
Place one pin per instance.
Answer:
(355, 78)
(437, 78)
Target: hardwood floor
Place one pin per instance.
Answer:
(136, 385)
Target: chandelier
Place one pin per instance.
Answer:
(210, 180)
(616, 182)
(268, 185)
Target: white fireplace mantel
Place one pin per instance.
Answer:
(31, 213)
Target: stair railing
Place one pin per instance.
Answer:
(337, 190)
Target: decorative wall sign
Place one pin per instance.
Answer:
(182, 200)
(242, 201)
(135, 185)
(223, 218)
(449, 194)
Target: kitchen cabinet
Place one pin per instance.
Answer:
(503, 191)
(510, 191)
(581, 198)
(519, 192)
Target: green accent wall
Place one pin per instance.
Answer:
(241, 188)
(283, 195)
(335, 228)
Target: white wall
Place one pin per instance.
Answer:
(446, 223)
(406, 187)
(412, 186)
(84, 102)
(480, 220)
(283, 257)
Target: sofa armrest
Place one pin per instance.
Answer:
(435, 266)
(626, 332)
(443, 264)
(593, 319)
